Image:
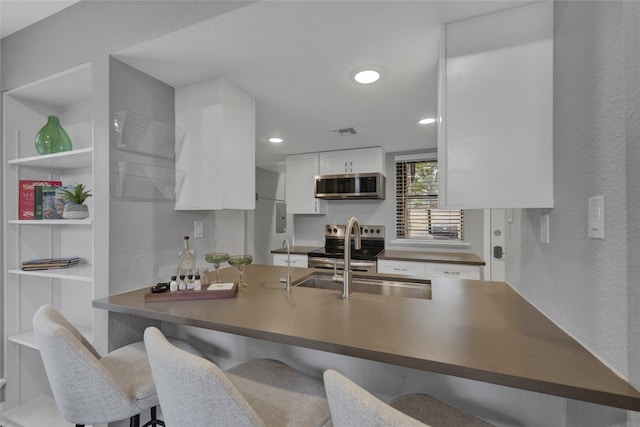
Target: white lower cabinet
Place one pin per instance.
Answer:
(459, 271)
(403, 268)
(296, 260)
(428, 270)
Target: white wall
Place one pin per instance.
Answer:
(261, 223)
(588, 286)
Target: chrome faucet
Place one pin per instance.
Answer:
(336, 278)
(287, 280)
(346, 276)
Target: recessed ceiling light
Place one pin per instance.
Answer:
(366, 77)
(427, 121)
(275, 140)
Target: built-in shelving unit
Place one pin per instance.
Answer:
(68, 95)
(75, 159)
(40, 411)
(28, 339)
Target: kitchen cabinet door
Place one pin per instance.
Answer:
(402, 268)
(457, 271)
(365, 160)
(297, 260)
(495, 135)
(215, 166)
(301, 171)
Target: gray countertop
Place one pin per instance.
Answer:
(480, 330)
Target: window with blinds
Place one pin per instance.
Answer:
(417, 213)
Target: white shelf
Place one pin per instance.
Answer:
(82, 273)
(41, 411)
(74, 159)
(69, 87)
(28, 338)
(51, 221)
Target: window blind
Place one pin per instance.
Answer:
(417, 213)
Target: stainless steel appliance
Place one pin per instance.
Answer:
(331, 256)
(351, 186)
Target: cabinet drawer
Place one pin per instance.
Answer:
(296, 260)
(459, 271)
(403, 268)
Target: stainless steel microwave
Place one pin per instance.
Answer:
(351, 186)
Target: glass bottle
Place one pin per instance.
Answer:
(182, 285)
(173, 286)
(197, 283)
(186, 257)
(52, 138)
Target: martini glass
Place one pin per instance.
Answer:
(239, 261)
(216, 258)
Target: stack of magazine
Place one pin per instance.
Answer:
(47, 263)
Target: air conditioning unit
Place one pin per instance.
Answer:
(444, 230)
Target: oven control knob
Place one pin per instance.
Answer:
(366, 230)
(335, 230)
(377, 230)
(371, 231)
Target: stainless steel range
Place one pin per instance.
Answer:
(332, 255)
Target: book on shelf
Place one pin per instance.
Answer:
(49, 202)
(48, 263)
(26, 196)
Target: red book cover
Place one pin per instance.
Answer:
(26, 196)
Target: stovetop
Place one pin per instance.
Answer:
(371, 243)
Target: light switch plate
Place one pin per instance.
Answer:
(596, 217)
(198, 229)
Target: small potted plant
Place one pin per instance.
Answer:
(74, 207)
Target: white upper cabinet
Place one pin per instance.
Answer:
(215, 166)
(365, 160)
(301, 170)
(495, 135)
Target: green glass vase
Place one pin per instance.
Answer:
(52, 138)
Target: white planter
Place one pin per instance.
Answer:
(74, 211)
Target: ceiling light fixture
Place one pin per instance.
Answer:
(366, 77)
(427, 121)
(275, 140)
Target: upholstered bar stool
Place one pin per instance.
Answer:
(194, 392)
(352, 406)
(93, 389)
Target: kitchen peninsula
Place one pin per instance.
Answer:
(483, 331)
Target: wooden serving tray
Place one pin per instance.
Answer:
(191, 295)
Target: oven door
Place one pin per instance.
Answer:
(338, 264)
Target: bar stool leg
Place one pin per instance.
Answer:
(154, 422)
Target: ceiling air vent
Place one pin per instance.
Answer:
(344, 131)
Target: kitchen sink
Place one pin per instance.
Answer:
(396, 286)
